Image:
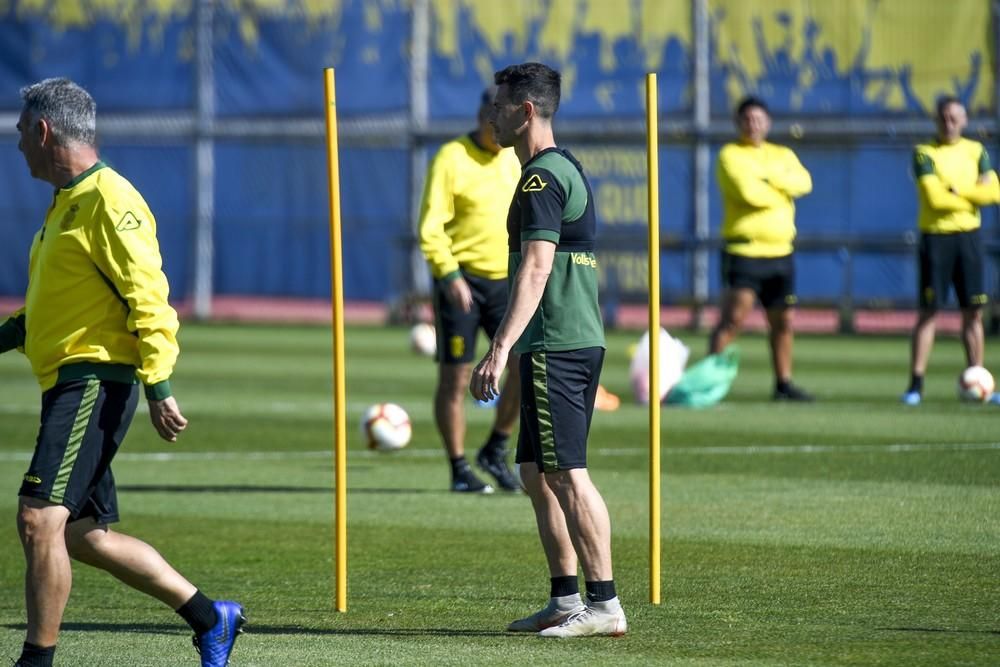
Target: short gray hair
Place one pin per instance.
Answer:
(68, 108)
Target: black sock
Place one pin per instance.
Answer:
(600, 591)
(199, 613)
(781, 386)
(497, 442)
(563, 586)
(36, 656)
(916, 383)
(458, 466)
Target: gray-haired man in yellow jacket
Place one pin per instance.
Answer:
(463, 236)
(954, 179)
(95, 322)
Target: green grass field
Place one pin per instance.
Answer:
(853, 531)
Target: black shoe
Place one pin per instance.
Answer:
(495, 463)
(793, 393)
(465, 481)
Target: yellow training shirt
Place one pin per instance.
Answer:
(96, 304)
(463, 217)
(759, 185)
(953, 181)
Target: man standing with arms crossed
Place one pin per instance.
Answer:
(759, 182)
(95, 319)
(954, 179)
(553, 320)
(462, 235)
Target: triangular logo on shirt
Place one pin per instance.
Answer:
(534, 184)
(128, 221)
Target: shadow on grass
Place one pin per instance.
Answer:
(950, 631)
(388, 632)
(136, 628)
(248, 488)
(164, 629)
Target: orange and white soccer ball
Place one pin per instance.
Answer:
(423, 339)
(386, 427)
(975, 384)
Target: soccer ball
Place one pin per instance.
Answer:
(423, 339)
(386, 427)
(975, 384)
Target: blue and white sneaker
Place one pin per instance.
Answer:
(994, 398)
(215, 645)
(911, 398)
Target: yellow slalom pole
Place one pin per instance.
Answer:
(653, 189)
(339, 386)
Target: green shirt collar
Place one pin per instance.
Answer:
(97, 165)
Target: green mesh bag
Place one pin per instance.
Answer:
(706, 382)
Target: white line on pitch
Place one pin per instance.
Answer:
(734, 450)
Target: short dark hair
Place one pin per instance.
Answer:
(750, 102)
(944, 101)
(535, 82)
(487, 96)
(68, 108)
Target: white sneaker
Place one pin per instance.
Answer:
(596, 619)
(554, 613)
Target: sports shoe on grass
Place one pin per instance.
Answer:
(598, 619)
(215, 645)
(910, 398)
(793, 393)
(994, 398)
(465, 481)
(495, 463)
(554, 613)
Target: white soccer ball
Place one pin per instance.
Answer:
(423, 339)
(386, 427)
(975, 384)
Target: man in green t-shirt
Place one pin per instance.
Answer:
(553, 321)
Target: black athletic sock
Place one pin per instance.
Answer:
(36, 656)
(497, 442)
(781, 386)
(199, 613)
(916, 384)
(600, 591)
(563, 586)
(458, 466)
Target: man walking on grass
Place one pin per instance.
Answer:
(95, 321)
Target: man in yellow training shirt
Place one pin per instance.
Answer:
(954, 179)
(463, 235)
(95, 321)
(759, 182)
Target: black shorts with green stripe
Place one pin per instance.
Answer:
(557, 403)
(83, 424)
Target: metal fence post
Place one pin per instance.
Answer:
(204, 186)
(701, 116)
(418, 278)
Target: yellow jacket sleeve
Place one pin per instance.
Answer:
(737, 182)
(126, 252)
(986, 191)
(790, 177)
(939, 198)
(12, 332)
(934, 190)
(437, 209)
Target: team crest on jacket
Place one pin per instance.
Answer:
(69, 217)
(534, 184)
(128, 221)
